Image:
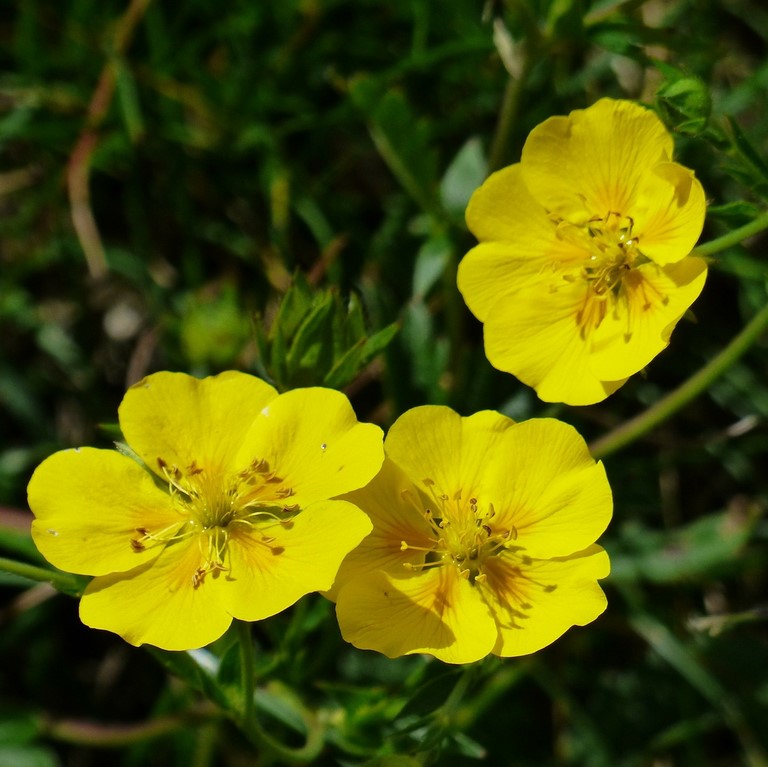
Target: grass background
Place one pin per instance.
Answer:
(167, 170)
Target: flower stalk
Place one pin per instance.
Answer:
(64, 582)
(659, 412)
(719, 244)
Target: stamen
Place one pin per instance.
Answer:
(212, 504)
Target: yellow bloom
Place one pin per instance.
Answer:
(483, 538)
(229, 516)
(583, 267)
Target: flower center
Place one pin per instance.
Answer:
(613, 252)
(213, 505)
(609, 269)
(612, 249)
(464, 535)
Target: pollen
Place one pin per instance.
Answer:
(213, 505)
(464, 534)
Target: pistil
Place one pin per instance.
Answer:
(212, 505)
(463, 535)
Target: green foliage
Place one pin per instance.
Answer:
(315, 338)
(280, 188)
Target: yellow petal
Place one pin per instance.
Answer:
(503, 209)
(433, 442)
(395, 506)
(536, 337)
(182, 419)
(434, 611)
(88, 505)
(536, 603)
(518, 242)
(158, 604)
(266, 576)
(669, 214)
(313, 441)
(655, 299)
(549, 489)
(593, 161)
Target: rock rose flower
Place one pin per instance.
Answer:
(483, 539)
(226, 514)
(583, 267)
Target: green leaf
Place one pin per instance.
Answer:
(431, 260)
(429, 353)
(311, 350)
(735, 213)
(698, 550)
(683, 101)
(357, 357)
(128, 99)
(28, 756)
(294, 306)
(402, 141)
(468, 747)
(199, 669)
(747, 152)
(18, 729)
(465, 174)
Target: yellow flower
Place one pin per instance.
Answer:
(583, 267)
(483, 538)
(228, 517)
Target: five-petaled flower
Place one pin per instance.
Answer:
(224, 511)
(483, 538)
(583, 267)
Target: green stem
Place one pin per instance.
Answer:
(732, 238)
(99, 735)
(451, 705)
(69, 584)
(247, 672)
(498, 684)
(249, 722)
(505, 125)
(641, 424)
(510, 104)
(446, 718)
